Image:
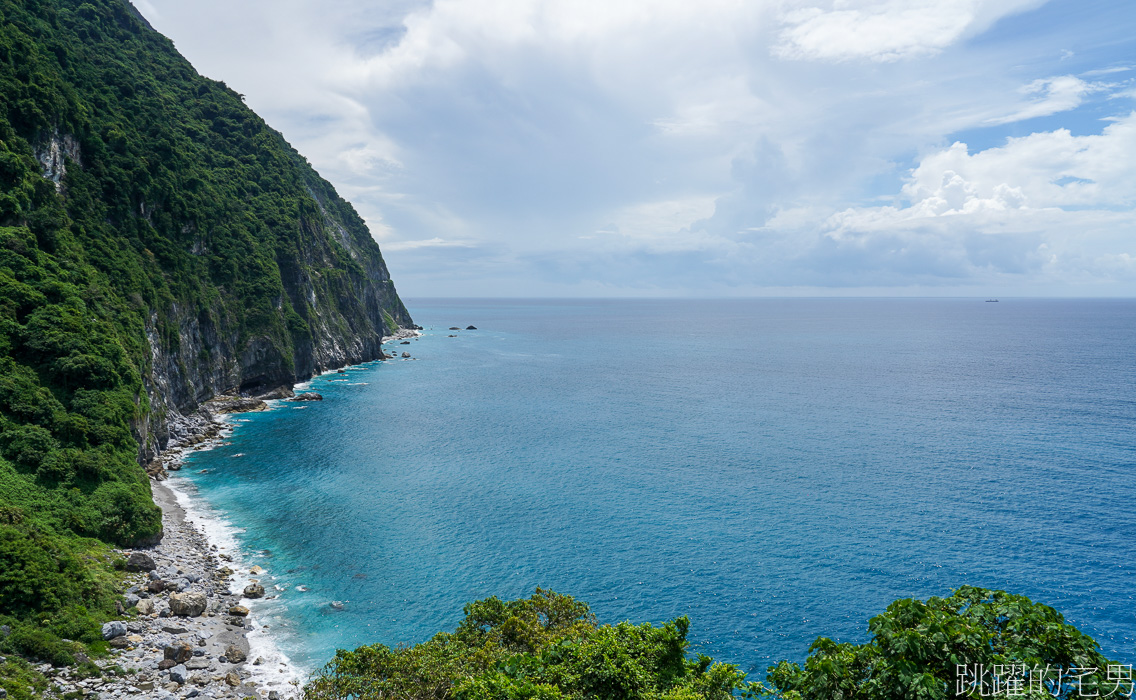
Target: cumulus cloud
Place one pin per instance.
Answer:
(1049, 204)
(1046, 169)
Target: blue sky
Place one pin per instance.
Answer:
(719, 148)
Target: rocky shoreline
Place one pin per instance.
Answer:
(185, 628)
(185, 631)
(206, 424)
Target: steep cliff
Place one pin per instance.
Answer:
(259, 274)
(159, 245)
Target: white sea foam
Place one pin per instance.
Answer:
(277, 671)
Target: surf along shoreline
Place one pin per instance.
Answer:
(219, 645)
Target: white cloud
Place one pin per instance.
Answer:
(1045, 206)
(660, 225)
(428, 243)
(1047, 169)
(1058, 94)
(888, 30)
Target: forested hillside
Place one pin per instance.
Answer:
(159, 244)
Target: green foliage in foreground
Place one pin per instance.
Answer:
(970, 644)
(974, 644)
(20, 680)
(547, 647)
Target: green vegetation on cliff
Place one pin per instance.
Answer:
(152, 230)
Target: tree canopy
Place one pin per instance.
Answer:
(975, 643)
(545, 647)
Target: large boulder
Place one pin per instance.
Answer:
(145, 606)
(178, 652)
(140, 561)
(235, 654)
(188, 604)
(254, 590)
(114, 628)
(308, 396)
(278, 393)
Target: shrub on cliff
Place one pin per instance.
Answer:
(974, 644)
(546, 647)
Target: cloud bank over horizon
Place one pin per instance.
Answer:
(731, 147)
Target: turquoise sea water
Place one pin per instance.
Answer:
(775, 469)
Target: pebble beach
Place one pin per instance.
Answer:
(186, 633)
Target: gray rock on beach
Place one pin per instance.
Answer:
(235, 654)
(179, 652)
(140, 561)
(188, 604)
(114, 628)
(254, 590)
(178, 674)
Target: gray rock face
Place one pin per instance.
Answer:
(179, 674)
(209, 353)
(188, 604)
(51, 157)
(114, 628)
(140, 561)
(308, 396)
(278, 393)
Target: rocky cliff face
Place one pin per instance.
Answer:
(350, 308)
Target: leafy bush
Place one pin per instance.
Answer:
(546, 647)
(953, 647)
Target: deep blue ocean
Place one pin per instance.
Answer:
(774, 469)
